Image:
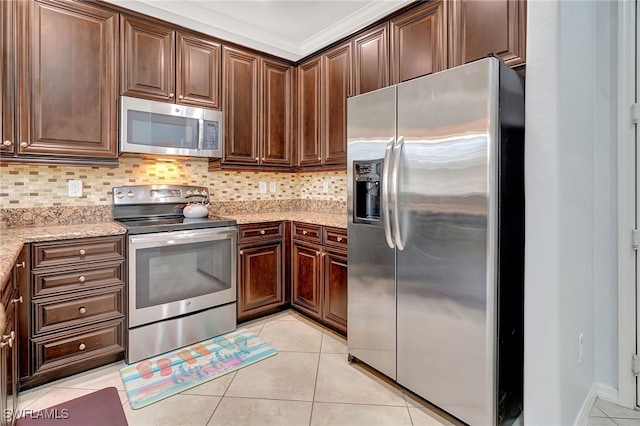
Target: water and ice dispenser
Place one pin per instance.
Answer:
(367, 191)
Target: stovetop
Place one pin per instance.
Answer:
(144, 209)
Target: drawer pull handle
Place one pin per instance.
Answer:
(81, 278)
(339, 239)
(304, 232)
(21, 265)
(82, 252)
(263, 232)
(82, 310)
(82, 346)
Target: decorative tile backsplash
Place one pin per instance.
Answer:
(26, 186)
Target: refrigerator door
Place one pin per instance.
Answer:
(446, 271)
(371, 128)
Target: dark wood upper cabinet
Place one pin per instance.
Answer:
(337, 87)
(419, 42)
(67, 79)
(162, 64)
(7, 76)
(240, 105)
(324, 83)
(197, 71)
(148, 60)
(371, 60)
(477, 28)
(277, 99)
(309, 110)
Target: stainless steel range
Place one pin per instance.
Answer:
(182, 281)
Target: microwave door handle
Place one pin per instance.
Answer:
(201, 134)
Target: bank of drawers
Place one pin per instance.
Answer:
(77, 301)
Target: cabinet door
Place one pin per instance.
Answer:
(197, 71)
(259, 277)
(337, 87)
(334, 306)
(478, 28)
(148, 56)
(309, 110)
(371, 60)
(418, 42)
(240, 105)
(306, 278)
(7, 76)
(67, 94)
(275, 147)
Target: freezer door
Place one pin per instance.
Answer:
(446, 271)
(371, 315)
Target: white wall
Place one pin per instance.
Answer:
(570, 259)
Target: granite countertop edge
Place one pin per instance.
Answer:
(14, 238)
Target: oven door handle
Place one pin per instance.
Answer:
(168, 238)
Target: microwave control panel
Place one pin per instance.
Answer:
(211, 140)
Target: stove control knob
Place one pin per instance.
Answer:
(189, 192)
(120, 194)
(204, 192)
(130, 194)
(196, 192)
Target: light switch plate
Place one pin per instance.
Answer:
(272, 187)
(263, 187)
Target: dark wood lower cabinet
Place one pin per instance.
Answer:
(262, 257)
(319, 274)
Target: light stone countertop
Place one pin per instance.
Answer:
(336, 220)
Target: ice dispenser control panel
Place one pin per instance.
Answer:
(366, 197)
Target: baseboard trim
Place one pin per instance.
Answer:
(583, 414)
(607, 393)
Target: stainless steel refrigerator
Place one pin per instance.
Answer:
(436, 238)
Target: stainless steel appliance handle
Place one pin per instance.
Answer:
(167, 238)
(201, 133)
(386, 220)
(395, 224)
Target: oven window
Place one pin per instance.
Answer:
(182, 271)
(145, 128)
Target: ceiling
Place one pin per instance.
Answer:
(285, 28)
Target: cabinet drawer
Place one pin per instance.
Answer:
(77, 279)
(63, 349)
(335, 237)
(77, 251)
(306, 232)
(68, 312)
(259, 231)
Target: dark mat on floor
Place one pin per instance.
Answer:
(100, 408)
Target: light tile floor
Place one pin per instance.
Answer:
(309, 382)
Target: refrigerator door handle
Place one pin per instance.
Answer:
(386, 213)
(395, 225)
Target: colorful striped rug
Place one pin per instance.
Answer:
(156, 378)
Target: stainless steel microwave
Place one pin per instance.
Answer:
(152, 127)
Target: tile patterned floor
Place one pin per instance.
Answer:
(309, 383)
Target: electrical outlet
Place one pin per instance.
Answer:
(263, 187)
(580, 348)
(75, 188)
(272, 187)
(325, 186)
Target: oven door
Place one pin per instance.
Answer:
(177, 273)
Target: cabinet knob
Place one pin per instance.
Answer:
(7, 143)
(16, 301)
(82, 310)
(241, 252)
(7, 339)
(21, 265)
(319, 158)
(82, 346)
(339, 239)
(81, 278)
(304, 232)
(23, 144)
(82, 252)
(257, 158)
(171, 95)
(263, 232)
(180, 97)
(318, 253)
(263, 159)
